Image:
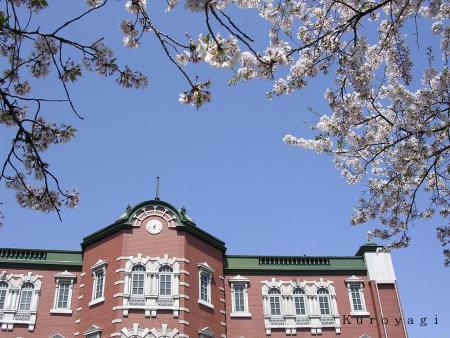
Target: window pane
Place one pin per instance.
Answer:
(239, 298)
(204, 281)
(356, 297)
(3, 290)
(25, 297)
(165, 285)
(275, 308)
(63, 295)
(324, 306)
(137, 282)
(99, 275)
(299, 305)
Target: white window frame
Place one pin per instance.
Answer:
(165, 274)
(277, 295)
(22, 292)
(6, 294)
(98, 267)
(93, 332)
(354, 281)
(133, 275)
(301, 294)
(151, 301)
(326, 295)
(239, 281)
(205, 270)
(60, 278)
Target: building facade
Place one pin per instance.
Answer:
(155, 274)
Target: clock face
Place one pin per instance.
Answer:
(154, 226)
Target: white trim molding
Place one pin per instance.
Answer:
(355, 289)
(98, 271)
(287, 317)
(63, 280)
(151, 300)
(239, 294)
(11, 313)
(205, 275)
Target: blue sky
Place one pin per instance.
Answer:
(225, 163)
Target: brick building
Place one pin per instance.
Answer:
(154, 273)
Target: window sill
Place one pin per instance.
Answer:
(202, 302)
(240, 315)
(61, 311)
(97, 301)
(359, 313)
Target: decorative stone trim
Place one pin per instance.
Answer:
(221, 277)
(222, 300)
(11, 313)
(82, 274)
(184, 284)
(183, 260)
(239, 282)
(313, 318)
(223, 312)
(81, 286)
(223, 323)
(184, 296)
(77, 321)
(151, 301)
(80, 297)
(76, 333)
(119, 282)
(153, 210)
(116, 295)
(118, 320)
(184, 272)
(221, 289)
(63, 277)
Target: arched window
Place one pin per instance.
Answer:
(165, 280)
(300, 302)
(275, 302)
(26, 294)
(3, 291)
(137, 280)
(324, 301)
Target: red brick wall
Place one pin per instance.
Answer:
(60, 323)
(199, 316)
(168, 242)
(108, 249)
(254, 327)
(391, 311)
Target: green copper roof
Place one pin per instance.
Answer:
(294, 264)
(38, 257)
(125, 220)
(368, 247)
